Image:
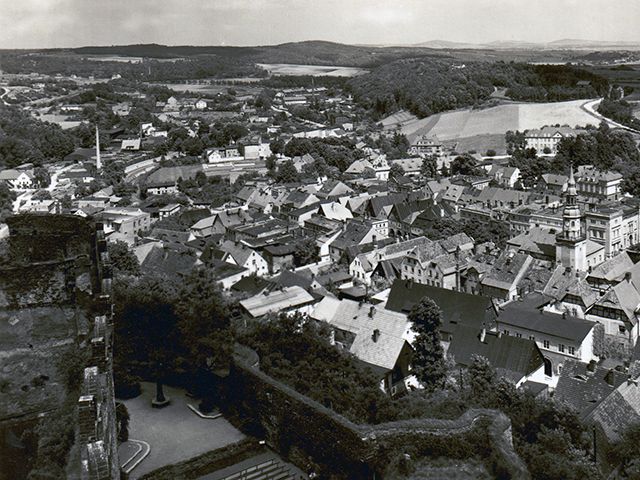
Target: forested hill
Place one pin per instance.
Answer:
(425, 86)
(308, 53)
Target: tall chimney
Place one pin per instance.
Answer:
(98, 162)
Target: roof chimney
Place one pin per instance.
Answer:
(591, 366)
(483, 334)
(376, 335)
(609, 377)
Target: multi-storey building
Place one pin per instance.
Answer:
(426, 145)
(614, 226)
(547, 139)
(598, 184)
(559, 337)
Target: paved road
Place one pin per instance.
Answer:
(591, 108)
(5, 90)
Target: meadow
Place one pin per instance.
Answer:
(498, 120)
(313, 70)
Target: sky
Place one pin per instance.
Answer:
(71, 23)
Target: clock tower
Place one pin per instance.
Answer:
(571, 244)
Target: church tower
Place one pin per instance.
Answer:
(571, 244)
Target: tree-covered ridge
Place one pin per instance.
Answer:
(26, 139)
(427, 85)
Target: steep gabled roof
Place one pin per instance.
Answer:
(510, 354)
(613, 269)
(381, 349)
(619, 410)
(457, 307)
(583, 389)
(523, 316)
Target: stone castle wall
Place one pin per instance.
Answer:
(287, 419)
(54, 296)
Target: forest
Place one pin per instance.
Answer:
(425, 86)
(25, 139)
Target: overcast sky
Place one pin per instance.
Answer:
(64, 23)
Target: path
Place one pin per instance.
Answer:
(591, 107)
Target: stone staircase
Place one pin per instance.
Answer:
(268, 470)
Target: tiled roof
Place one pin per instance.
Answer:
(582, 389)
(362, 320)
(506, 269)
(623, 296)
(619, 410)
(457, 307)
(522, 316)
(504, 352)
(613, 269)
(427, 251)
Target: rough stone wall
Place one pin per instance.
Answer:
(53, 296)
(287, 419)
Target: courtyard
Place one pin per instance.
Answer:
(174, 433)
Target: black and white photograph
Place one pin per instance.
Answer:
(319, 240)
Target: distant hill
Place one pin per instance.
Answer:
(309, 52)
(444, 44)
(563, 44)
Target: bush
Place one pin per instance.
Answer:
(126, 385)
(491, 153)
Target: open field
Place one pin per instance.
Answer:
(210, 89)
(313, 70)
(498, 120)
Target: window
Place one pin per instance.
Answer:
(572, 350)
(545, 344)
(518, 335)
(506, 332)
(561, 348)
(622, 329)
(532, 337)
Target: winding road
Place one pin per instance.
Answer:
(591, 107)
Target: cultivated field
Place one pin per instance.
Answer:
(211, 89)
(313, 70)
(497, 120)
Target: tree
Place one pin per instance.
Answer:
(41, 176)
(122, 421)
(481, 376)
(396, 170)
(428, 359)
(306, 252)
(429, 167)
(204, 322)
(7, 197)
(113, 172)
(42, 195)
(123, 259)
(626, 453)
(287, 172)
(66, 203)
(270, 163)
(464, 165)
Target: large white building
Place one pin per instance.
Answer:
(548, 138)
